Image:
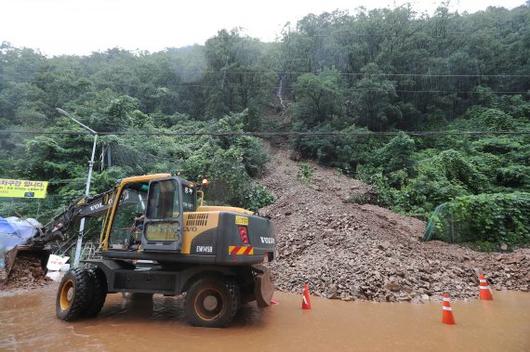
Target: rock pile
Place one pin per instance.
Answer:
(349, 251)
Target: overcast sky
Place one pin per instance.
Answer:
(82, 26)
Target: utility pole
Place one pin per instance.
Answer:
(88, 180)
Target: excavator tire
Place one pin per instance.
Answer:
(97, 300)
(212, 302)
(74, 294)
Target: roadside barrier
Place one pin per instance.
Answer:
(447, 311)
(306, 300)
(485, 289)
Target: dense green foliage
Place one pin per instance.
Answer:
(416, 175)
(498, 218)
(356, 74)
(391, 70)
(192, 89)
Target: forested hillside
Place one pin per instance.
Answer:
(424, 108)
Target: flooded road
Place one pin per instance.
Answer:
(28, 323)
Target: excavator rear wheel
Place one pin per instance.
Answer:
(74, 294)
(212, 302)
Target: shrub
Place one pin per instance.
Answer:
(513, 176)
(305, 172)
(258, 197)
(396, 154)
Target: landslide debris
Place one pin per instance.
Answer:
(27, 273)
(349, 251)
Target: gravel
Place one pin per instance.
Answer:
(350, 251)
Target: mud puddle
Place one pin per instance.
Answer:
(28, 323)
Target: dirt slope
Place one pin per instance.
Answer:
(352, 251)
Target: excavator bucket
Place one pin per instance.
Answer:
(22, 261)
(20, 254)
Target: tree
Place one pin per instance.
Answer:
(319, 97)
(236, 79)
(372, 100)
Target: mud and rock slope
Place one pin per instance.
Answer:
(350, 251)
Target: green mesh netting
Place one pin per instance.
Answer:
(441, 225)
(429, 229)
(444, 226)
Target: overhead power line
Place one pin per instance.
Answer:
(360, 89)
(295, 35)
(386, 74)
(267, 133)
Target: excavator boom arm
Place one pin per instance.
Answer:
(84, 207)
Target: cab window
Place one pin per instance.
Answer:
(189, 196)
(163, 200)
(163, 212)
(128, 219)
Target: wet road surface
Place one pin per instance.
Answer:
(28, 323)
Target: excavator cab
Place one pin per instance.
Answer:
(151, 214)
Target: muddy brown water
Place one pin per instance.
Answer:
(28, 323)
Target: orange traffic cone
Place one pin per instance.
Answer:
(447, 311)
(306, 301)
(485, 290)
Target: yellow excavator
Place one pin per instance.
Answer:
(159, 237)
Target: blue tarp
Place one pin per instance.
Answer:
(15, 231)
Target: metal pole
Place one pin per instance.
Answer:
(88, 180)
(87, 192)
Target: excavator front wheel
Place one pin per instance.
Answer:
(66, 295)
(74, 294)
(99, 293)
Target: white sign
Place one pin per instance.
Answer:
(204, 249)
(55, 262)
